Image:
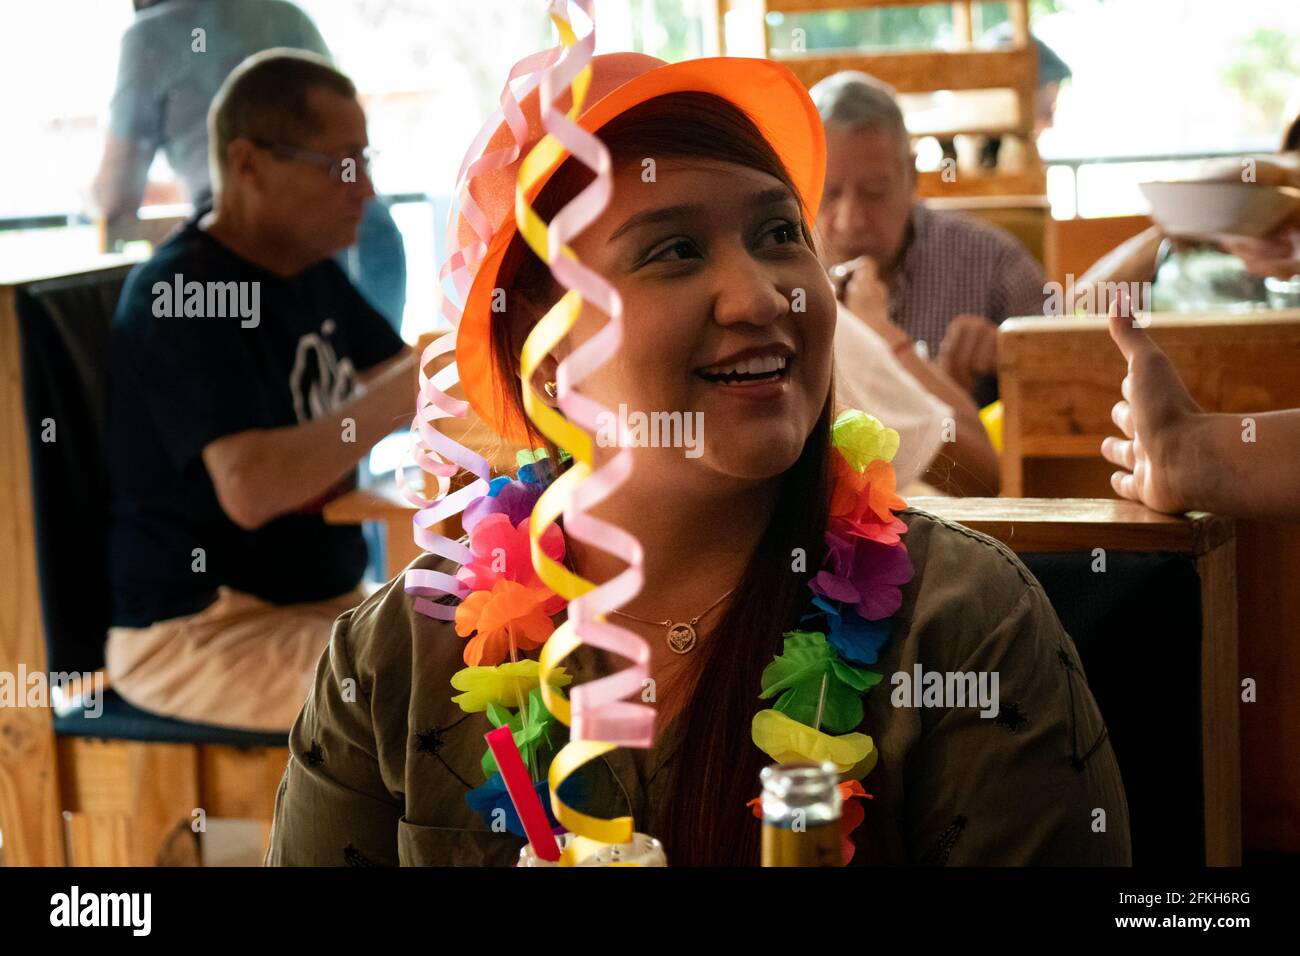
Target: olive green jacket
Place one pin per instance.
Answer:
(381, 759)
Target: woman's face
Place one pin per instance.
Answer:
(728, 322)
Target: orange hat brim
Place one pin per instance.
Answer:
(766, 91)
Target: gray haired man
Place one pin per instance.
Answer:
(950, 280)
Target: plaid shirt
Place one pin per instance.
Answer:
(952, 266)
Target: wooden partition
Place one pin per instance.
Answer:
(739, 29)
(1059, 380)
(1073, 246)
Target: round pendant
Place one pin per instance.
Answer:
(681, 638)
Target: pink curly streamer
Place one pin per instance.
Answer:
(599, 708)
(436, 454)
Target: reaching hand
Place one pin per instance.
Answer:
(1158, 418)
(1277, 254)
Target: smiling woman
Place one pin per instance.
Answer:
(728, 315)
(713, 226)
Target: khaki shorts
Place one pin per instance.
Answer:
(240, 662)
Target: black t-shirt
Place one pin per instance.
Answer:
(263, 352)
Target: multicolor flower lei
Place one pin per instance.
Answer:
(819, 679)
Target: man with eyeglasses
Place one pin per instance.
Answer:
(247, 378)
(173, 59)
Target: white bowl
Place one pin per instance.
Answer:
(1208, 209)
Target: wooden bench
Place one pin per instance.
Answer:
(86, 789)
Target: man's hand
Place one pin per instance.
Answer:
(262, 473)
(969, 348)
(859, 287)
(1161, 450)
(863, 292)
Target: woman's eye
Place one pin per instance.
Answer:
(785, 233)
(684, 246)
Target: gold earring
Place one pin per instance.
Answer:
(549, 388)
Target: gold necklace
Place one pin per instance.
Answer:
(680, 636)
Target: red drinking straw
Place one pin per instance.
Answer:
(522, 794)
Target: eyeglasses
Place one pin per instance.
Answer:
(336, 166)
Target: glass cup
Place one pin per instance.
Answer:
(1283, 293)
(644, 850)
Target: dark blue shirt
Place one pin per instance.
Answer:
(178, 383)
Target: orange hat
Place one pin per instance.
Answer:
(766, 91)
